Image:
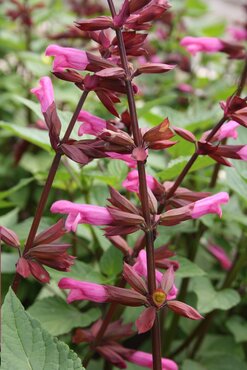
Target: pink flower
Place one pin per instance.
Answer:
(227, 130)
(209, 205)
(238, 33)
(201, 44)
(92, 125)
(186, 88)
(141, 267)
(44, 93)
(127, 158)
(196, 209)
(220, 255)
(144, 359)
(83, 290)
(81, 214)
(131, 183)
(136, 296)
(242, 153)
(67, 58)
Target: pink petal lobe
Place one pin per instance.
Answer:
(209, 205)
(44, 93)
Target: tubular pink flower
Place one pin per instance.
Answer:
(238, 33)
(44, 93)
(92, 125)
(141, 267)
(146, 359)
(67, 58)
(127, 158)
(83, 290)
(186, 88)
(220, 255)
(209, 205)
(81, 214)
(227, 130)
(243, 153)
(131, 183)
(201, 44)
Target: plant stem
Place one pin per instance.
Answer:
(48, 185)
(149, 235)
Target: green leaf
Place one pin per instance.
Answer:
(35, 107)
(188, 268)
(58, 317)
(238, 327)
(26, 345)
(10, 218)
(210, 299)
(216, 345)
(224, 362)
(102, 240)
(236, 182)
(22, 183)
(111, 262)
(32, 135)
(79, 271)
(8, 261)
(176, 166)
(192, 365)
(195, 8)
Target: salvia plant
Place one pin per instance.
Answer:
(151, 230)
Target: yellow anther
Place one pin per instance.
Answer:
(159, 297)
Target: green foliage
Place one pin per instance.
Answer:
(26, 345)
(58, 317)
(210, 299)
(238, 327)
(188, 268)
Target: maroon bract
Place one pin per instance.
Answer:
(45, 252)
(137, 296)
(115, 352)
(9, 237)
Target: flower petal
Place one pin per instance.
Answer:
(146, 320)
(84, 290)
(184, 309)
(134, 280)
(168, 280)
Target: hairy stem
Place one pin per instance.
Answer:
(48, 185)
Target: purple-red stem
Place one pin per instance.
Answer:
(47, 187)
(156, 340)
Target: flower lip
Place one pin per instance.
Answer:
(159, 297)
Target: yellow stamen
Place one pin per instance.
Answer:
(159, 297)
